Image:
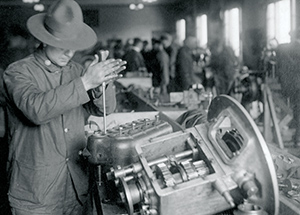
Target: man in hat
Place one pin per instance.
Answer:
(185, 75)
(49, 98)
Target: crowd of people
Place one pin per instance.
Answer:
(173, 67)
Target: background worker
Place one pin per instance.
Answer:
(288, 62)
(49, 98)
(172, 49)
(135, 60)
(159, 68)
(185, 75)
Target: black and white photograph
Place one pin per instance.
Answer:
(150, 107)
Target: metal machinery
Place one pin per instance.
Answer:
(222, 166)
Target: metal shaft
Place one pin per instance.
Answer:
(104, 107)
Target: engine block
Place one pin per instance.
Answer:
(221, 166)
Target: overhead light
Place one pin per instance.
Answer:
(132, 6)
(136, 6)
(39, 7)
(149, 1)
(31, 1)
(140, 6)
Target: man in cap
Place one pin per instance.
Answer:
(185, 75)
(49, 98)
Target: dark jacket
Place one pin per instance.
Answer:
(47, 109)
(135, 61)
(172, 51)
(160, 69)
(184, 69)
(288, 67)
(224, 65)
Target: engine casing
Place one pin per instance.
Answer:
(223, 165)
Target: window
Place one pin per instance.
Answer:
(232, 29)
(201, 30)
(279, 23)
(180, 30)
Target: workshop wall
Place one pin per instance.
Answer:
(121, 22)
(109, 21)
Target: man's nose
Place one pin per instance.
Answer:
(69, 52)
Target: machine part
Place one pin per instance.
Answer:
(247, 85)
(201, 168)
(136, 167)
(226, 114)
(167, 172)
(163, 172)
(135, 192)
(286, 159)
(189, 169)
(249, 209)
(191, 165)
(293, 194)
(179, 172)
(231, 142)
(221, 187)
(191, 118)
(116, 147)
(104, 107)
(246, 182)
(126, 195)
(286, 185)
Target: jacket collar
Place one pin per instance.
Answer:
(41, 57)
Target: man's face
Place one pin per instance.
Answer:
(59, 56)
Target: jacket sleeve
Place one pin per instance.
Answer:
(164, 67)
(172, 61)
(37, 105)
(95, 106)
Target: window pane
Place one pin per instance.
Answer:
(283, 22)
(232, 29)
(180, 30)
(271, 21)
(279, 21)
(201, 30)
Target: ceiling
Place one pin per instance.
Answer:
(94, 2)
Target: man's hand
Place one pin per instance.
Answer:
(99, 72)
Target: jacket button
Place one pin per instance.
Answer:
(67, 159)
(66, 130)
(47, 62)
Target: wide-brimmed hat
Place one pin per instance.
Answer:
(62, 26)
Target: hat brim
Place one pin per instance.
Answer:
(85, 39)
